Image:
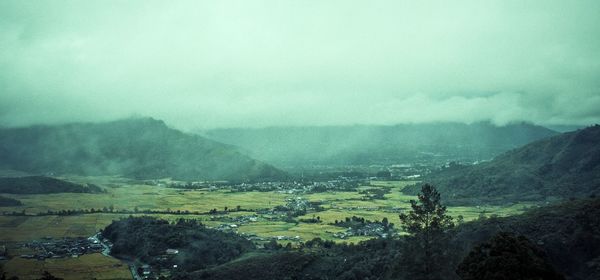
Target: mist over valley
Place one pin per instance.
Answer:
(264, 140)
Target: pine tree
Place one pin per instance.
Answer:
(428, 223)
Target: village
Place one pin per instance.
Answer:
(67, 247)
(288, 187)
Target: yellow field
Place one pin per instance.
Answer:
(18, 228)
(92, 266)
(122, 194)
(147, 197)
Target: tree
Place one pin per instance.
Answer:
(506, 256)
(47, 276)
(427, 223)
(385, 222)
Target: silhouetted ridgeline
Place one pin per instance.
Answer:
(566, 165)
(140, 148)
(377, 144)
(42, 184)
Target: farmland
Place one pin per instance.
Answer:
(249, 213)
(90, 266)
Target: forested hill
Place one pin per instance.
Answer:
(375, 144)
(567, 233)
(567, 165)
(139, 148)
(43, 184)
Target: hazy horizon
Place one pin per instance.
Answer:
(202, 65)
(201, 130)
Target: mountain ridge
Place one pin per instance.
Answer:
(566, 165)
(378, 144)
(136, 147)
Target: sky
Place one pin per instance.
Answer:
(208, 64)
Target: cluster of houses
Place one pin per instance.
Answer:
(287, 238)
(298, 203)
(297, 187)
(368, 229)
(408, 171)
(62, 248)
(226, 227)
(283, 187)
(162, 269)
(237, 220)
(288, 187)
(343, 184)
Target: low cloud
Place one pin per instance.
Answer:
(261, 63)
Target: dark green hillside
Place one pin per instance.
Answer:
(199, 247)
(43, 184)
(378, 144)
(7, 201)
(140, 148)
(567, 165)
(278, 265)
(566, 237)
(569, 233)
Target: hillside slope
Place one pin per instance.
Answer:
(292, 147)
(567, 165)
(139, 148)
(43, 184)
(568, 233)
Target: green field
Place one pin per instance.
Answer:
(127, 195)
(121, 194)
(92, 266)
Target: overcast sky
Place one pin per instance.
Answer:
(204, 64)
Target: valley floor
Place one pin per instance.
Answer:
(251, 214)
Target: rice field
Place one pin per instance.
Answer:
(124, 194)
(92, 266)
(121, 194)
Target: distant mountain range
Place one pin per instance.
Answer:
(299, 147)
(138, 148)
(566, 165)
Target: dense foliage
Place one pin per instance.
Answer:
(569, 229)
(569, 233)
(278, 265)
(148, 238)
(504, 257)
(428, 224)
(318, 259)
(43, 184)
(7, 201)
